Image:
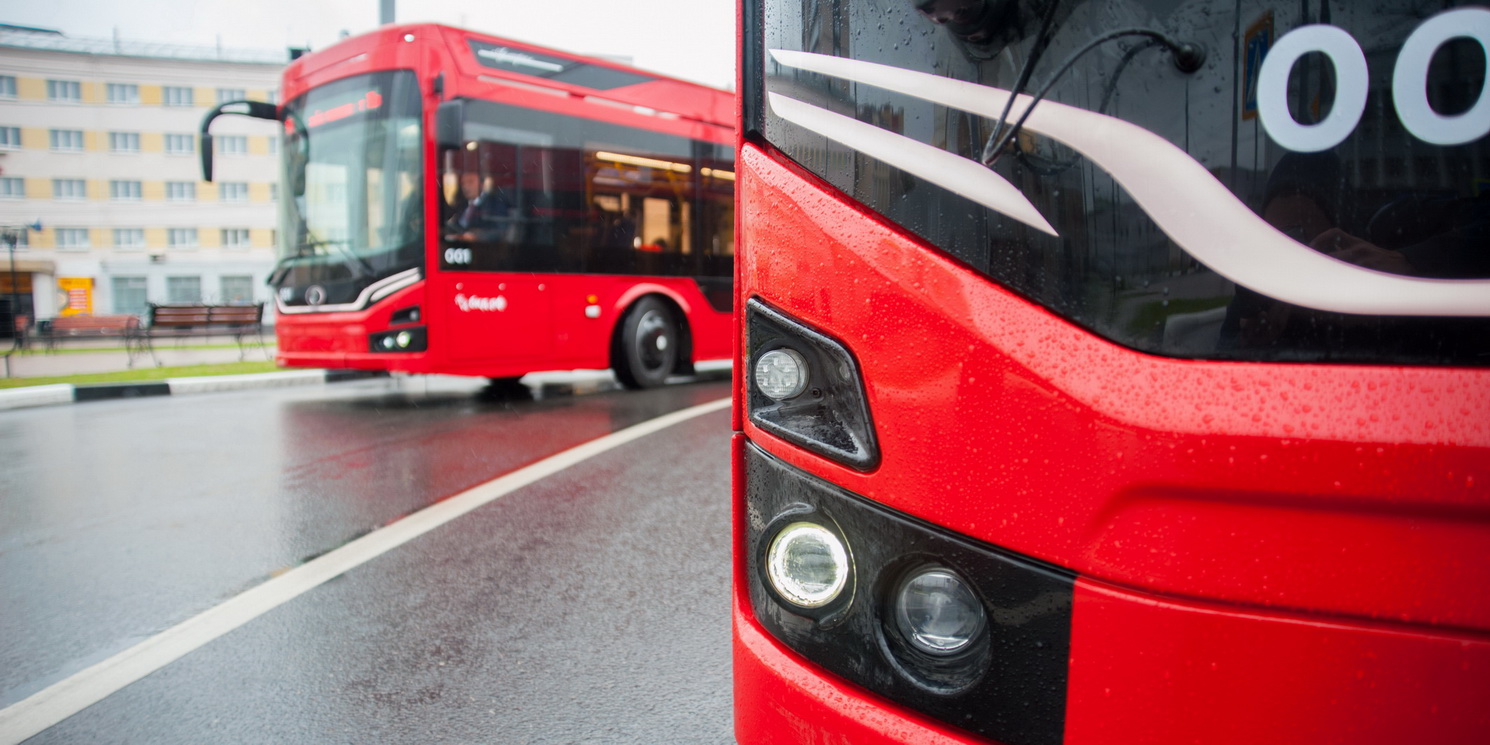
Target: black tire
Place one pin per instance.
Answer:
(647, 347)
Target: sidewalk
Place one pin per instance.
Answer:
(72, 359)
(106, 357)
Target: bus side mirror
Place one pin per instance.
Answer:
(449, 118)
(255, 109)
(206, 148)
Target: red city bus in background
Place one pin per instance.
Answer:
(1112, 372)
(462, 204)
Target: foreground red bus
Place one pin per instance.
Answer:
(463, 204)
(1112, 372)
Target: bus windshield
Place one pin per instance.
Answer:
(352, 173)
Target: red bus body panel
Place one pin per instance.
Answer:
(529, 337)
(1266, 552)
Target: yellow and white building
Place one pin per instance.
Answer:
(99, 144)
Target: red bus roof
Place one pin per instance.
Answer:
(481, 57)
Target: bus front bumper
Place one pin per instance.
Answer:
(1145, 670)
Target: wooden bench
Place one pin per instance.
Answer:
(123, 327)
(185, 320)
(88, 327)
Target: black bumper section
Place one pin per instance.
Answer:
(1010, 687)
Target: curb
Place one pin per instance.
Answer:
(49, 395)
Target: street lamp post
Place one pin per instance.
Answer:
(11, 234)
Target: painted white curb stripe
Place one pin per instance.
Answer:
(214, 383)
(46, 708)
(36, 395)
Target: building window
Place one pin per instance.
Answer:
(232, 191)
(230, 94)
(72, 238)
(67, 140)
(68, 91)
(127, 238)
(181, 191)
(181, 238)
(7, 87)
(10, 138)
(124, 142)
(180, 144)
(12, 187)
(183, 289)
(273, 145)
(69, 188)
(124, 93)
(124, 191)
(23, 239)
(172, 95)
(238, 289)
(129, 295)
(274, 192)
(235, 238)
(232, 145)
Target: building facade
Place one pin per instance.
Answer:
(99, 146)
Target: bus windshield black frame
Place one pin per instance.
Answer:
(353, 177)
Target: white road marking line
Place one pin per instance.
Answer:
(50, 706)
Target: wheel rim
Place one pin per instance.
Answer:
(653, 343)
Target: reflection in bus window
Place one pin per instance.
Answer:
(551, 194)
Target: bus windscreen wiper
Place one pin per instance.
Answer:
(1188, 58)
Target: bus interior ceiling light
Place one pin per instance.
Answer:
(938, 613)
(633, 160)
(807, 564)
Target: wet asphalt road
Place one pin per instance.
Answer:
(591, 606)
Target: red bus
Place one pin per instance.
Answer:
(1113, 372)
(462, 204)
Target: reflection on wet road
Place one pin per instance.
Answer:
(589, 606)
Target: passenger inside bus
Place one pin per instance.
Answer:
(483, 213)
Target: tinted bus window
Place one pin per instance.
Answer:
(537, 192)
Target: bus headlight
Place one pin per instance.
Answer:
(781, 374)
(413, 339)
(938, 613)
(807, 564)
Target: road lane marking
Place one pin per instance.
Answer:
(51, 705)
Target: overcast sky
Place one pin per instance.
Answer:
(692, 39)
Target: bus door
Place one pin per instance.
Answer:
(497, 316)
(498, 308)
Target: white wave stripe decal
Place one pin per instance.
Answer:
(1194, 209)
(952, 172)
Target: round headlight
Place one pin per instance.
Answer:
(781, 373)
(404, 338)
(938, 613)
(387, 342)
(807, 564)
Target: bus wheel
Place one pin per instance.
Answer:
(648, 345)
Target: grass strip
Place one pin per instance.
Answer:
(145, 374)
